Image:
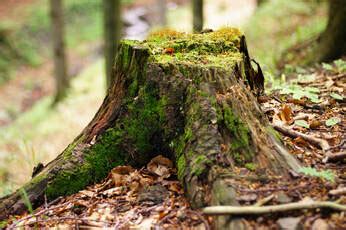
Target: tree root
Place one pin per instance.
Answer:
(255, 210)
(323, 144)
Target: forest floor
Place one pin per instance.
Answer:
(309, 112)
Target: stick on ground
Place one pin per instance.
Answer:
(250, 210)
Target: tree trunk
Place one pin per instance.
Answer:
(162, 12)
(197, 15)
(189, 97)
(112, 34)
(60, 67)
(333, 44)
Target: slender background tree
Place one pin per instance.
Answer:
(112, 33)
(162, 12)
(60, 66)
(197, 12)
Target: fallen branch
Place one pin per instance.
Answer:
(251, 210)
(338, 191)
(335, 157)
(323, 144)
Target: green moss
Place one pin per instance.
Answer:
(240, 143)
(181, 165)
(218, 49)
(199, 165)
(274, 133)
(99, 160)
(3, 224)
(144, 119)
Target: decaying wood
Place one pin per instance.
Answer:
(191, 98)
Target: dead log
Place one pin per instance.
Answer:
(190, 97)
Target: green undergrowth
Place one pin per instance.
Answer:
(42, 132)
(327, 175)
(280, 24)
(301, 75)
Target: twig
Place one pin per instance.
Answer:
(205, 222)
(59, 219)
(264, 200)
(338, 191)
(335, 157)
(251, 210)
(338, 76)
(323, 144)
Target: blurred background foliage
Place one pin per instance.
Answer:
(31, 131)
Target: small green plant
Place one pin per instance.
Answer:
(337, 96)
(3, 224)
(338, 66)
(26, 200)
(332, 121)
(302, 123)
(324, 174)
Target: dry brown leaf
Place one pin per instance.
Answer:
(87, 193)
(120, 174)
(286, 114)
(160, 166)
(315, 124)
(300, 142)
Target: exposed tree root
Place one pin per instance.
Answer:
(323, 144)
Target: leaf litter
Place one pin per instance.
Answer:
(128, 198)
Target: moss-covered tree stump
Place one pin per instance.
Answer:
(191, 97)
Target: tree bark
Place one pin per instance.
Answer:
(332, 44)
(112, 34)
(197, 15)
(189, 97)
(58, 34)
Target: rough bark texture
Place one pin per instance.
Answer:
(60, 67)
(112, 34)
(333, 43)
(189, 97)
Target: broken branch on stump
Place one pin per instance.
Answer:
(255, 210)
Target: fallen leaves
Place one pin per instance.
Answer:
(128, 199)
(160, 166)
(286, 114)
(120, 174)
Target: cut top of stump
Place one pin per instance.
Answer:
(219, 48)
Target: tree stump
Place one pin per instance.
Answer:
(190, 97)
